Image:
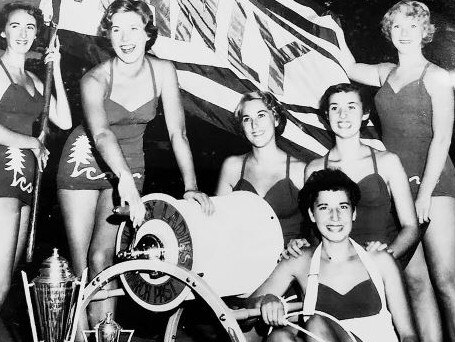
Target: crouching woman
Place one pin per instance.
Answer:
(357, 291)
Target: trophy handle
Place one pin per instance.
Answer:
(86, 333)
(28, 300)
(131, 332)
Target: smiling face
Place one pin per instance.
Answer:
(258, 123)
(128, 36)
(345, 112)
(333, 214)
(407, 32)
(20, 31)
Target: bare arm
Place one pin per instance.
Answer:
(438, 84)
(404, 204)
(92, 91)
(175, 122)
(59, 110)
(229, 170)
(395, 293)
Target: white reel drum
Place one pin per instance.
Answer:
(234, 250)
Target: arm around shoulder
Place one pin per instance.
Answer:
(230, 172)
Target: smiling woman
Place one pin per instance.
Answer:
(21, 102)
(363, 291)
(267, 170)
(415, 105)
(102, 163)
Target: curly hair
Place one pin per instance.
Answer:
(29, 9)
(137, 6)
(364, 96)
(271, 104)
(414, 9)
(327, 180)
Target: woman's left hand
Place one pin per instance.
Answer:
(206, 203)
(53, 52)
(423, 205)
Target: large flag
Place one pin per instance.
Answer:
(224, 48)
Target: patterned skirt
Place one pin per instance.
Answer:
(82, 168)
(17, 172)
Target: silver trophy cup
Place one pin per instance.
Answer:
(55, 293)
(108, 330)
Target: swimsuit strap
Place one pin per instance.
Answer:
(111, 78)
(288, 165)
(153, 77)
(311, 292)
(6, 71)
(424, 71)
(388, 75)
(373, 156)
(326, 160)
(243, 166)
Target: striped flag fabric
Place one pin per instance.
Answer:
(224, 48)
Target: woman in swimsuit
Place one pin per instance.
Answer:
(379, 175)
(103, 165)
(267, 170)
(21, 103)
(415, 105)
(363, 291)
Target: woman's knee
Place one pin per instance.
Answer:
(98, 260)
(281, 335)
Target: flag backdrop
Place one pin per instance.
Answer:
(223, 48)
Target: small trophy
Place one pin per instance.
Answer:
(56, 293)
(107, 330)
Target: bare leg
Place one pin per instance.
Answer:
(78, 209)
(285, 334)
(10, 213)
(439, 244)
(326, 329)
(23, 234)
(101, 253)
(423, 299)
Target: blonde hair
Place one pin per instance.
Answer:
(414, 9)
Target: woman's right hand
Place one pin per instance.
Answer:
(294, 248)
(129, 194)
(272, 310)
(41, 153)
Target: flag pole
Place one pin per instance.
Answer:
(43, 133)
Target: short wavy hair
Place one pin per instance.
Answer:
(136, 6)
(328, 180)
(414, 9)
(271, 104)
(29, 9)
(364, 96)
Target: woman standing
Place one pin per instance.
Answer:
(21, 103)
(267, 170)
(416, 107)
(102, 164)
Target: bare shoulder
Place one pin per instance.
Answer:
(314, 165)
(297, 171)
(386, 159)
(232, 163)
(384, 70)
(384, 261)
(161, 65)
(97, 76)
(436, 77)
(301, 263)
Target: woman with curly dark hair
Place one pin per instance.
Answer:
(102, 164)
(267, 170)
(21, 103)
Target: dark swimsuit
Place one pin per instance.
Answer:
(18, 111)
(82, 167)
(283, 198)
(406, 122)
(375, 221)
